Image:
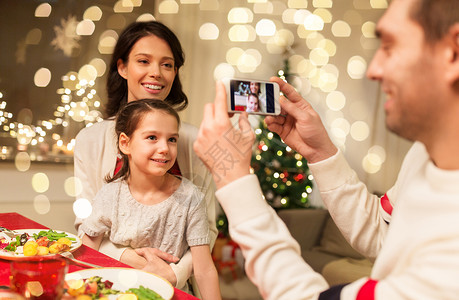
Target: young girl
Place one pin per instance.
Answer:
(145, 63)
(143, 205)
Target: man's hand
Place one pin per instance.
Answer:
(300, 126)
(225, 150)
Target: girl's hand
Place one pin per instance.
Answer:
(151, 260)
(153, 253)
(156, 262)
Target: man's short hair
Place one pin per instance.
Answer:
(436, 17)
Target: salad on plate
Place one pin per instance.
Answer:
(35, 242)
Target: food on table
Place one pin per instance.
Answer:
(144, 293)
(97, 288)
(30, 248)
(42, 250)
(42, 243)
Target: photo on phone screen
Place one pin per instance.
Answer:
(257, 97)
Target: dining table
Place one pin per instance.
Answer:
(16, 221)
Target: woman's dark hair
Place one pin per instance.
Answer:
(436, 17)
(127, 120)
(117, 89)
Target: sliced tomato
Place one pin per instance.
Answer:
(43, 241)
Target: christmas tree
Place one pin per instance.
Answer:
(283, 173)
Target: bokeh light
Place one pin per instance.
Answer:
(340, 128)
(93, 13)
(168, 7)
(41, 204)
(263, 8)
(336, 100)
(209, 31)
(288, 16)
(107, 42)
(85, 27)
(99, 65)
(371, 163)
(297, 3)
(242, 33)
(313, 22)
(22, 161)
(82, 208)
(368, 29)
(223, 70)
(128, 278)
(240, 15)
(233, 55)
(341, 29)
(265, 27)
(378, 151)
(318, 57)
(43, 10)
(40, 182)
(146, 18)
(322, 3)
(379, 4)
(360, 131)
(324, 14)
(122, 6)
(42, 77)
(87, 73)
(356, 67)
(73, 186)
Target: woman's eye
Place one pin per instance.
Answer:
(143, 61)
(168, 65)
(152, 137)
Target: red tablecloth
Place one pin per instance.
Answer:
(84, 253)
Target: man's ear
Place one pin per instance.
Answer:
(453, 56)
(123, 143)
(122, 68)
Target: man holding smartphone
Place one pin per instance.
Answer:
(413, 231)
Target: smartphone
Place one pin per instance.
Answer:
(253, 96)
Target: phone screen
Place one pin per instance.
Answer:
(252, 96)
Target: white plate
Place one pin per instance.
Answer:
(17, 256)
(125, 278)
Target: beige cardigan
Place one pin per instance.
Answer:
(95, 157)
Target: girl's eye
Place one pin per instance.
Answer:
(173, 140)
(152, 137)
(168, 65)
